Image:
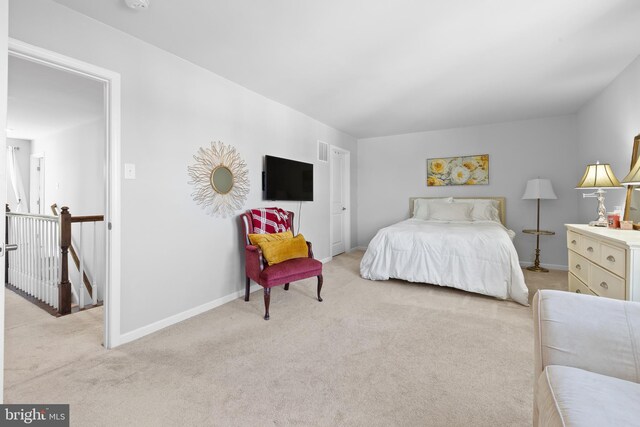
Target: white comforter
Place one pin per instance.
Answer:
(476, 257)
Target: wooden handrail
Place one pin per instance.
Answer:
(65, 229)
(88, 218)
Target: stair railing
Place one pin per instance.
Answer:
(66, 220)
(39, 268)
(33, 268)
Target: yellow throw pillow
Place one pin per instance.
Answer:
(256, 239)
(278, 251)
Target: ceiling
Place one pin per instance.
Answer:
(43, 100)
(382, 67)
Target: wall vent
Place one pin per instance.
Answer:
(323, 151)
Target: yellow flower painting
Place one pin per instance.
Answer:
(469, 170)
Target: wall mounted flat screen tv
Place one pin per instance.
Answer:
(288, 179)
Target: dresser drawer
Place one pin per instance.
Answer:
(613, 259)
(575, 285)
(605, 283)
(589, 248)
(579, 266)
(573, 241)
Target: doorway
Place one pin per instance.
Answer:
(36, 181)
(340, 197)
(110, 247)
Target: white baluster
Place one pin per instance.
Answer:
(29, 257)
(56, 263)
(94, 282)
(52, 272)
(20, 250)
(40, 290)
(47, 260)
(80, 254)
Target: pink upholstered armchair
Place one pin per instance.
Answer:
(283, 273)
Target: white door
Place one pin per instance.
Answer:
(339, 200)
(36, 185)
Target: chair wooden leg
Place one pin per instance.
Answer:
(319, 287)
(267, 299)
(246, 290)
(286, 286)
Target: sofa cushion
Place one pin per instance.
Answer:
(575, 397)
(290, 271)
(597, 334)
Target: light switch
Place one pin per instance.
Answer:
(129, 171)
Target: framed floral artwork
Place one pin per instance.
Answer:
(468, 170)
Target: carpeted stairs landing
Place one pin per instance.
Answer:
(372, 354)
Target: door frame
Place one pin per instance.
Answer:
(41, 182)
(112, 223)
(347, 193)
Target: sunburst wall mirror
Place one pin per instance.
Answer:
(220, 178)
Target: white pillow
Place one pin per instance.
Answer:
(421, 206)
(483, 209)
(420, 209)
(450, 211)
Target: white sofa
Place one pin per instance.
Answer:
(587, 360)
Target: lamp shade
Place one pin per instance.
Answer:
(633, 177)
(539, 189)
(598, 176)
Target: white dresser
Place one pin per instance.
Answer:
(604, 262)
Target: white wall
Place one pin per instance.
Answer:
(74, 168)
(392, 169)
(22, 156)
(174, 256)
(74, 176)
(4, 55)
(607, 125)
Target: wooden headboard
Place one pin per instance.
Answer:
(502, 210)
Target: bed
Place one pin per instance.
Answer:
(465, 247)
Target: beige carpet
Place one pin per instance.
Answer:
(373, 353)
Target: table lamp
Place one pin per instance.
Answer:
(597, 177)
(633, 177)
(538, 189)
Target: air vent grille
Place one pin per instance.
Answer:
(323, 151)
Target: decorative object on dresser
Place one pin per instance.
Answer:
(596, 177)
(604, 262)
(632, 182)
(469, 170)
(538, 189)
(220, 178)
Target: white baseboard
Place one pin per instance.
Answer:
(177, 318)
(548, 266)
(326, 260)
(358, 248)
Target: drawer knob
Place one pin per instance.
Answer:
(578, 291)
(604, 285)
(589, 249)
(610, 258)
(573, 242)
(578, 267)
